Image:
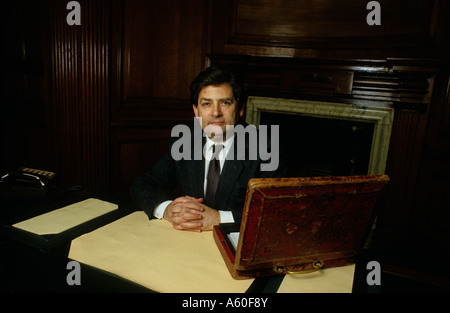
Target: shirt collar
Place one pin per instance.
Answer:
(228, 143)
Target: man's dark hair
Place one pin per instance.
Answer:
(214, 76)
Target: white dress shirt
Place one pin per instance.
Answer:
(225, 216)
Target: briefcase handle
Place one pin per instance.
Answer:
(317, 265)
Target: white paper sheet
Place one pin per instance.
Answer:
(67, 217)
(154, 255)
(234, 239)
(330, 280)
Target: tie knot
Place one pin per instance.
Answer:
(216, 150)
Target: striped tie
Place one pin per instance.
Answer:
(213, 176)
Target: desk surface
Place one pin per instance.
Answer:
(24, 268)
(153, 254)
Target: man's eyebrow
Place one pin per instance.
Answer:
(222, 99)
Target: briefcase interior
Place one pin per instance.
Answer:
(297, 225)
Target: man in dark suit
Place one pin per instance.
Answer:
(215, 97)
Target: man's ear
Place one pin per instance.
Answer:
(241, 111)
(194, 107)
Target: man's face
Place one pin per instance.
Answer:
(217, 107)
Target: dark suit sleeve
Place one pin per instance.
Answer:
(155, 186)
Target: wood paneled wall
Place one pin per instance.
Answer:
(158, 48)
(330, 28)
(80, 89)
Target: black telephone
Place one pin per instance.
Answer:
(27, 182)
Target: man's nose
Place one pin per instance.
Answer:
(217, 111)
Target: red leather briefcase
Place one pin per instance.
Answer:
(292, 225)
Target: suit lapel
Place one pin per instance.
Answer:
(198, 172)
(227, 181)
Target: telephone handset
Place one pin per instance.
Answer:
(27, 182)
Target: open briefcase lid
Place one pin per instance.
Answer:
(299, 224)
